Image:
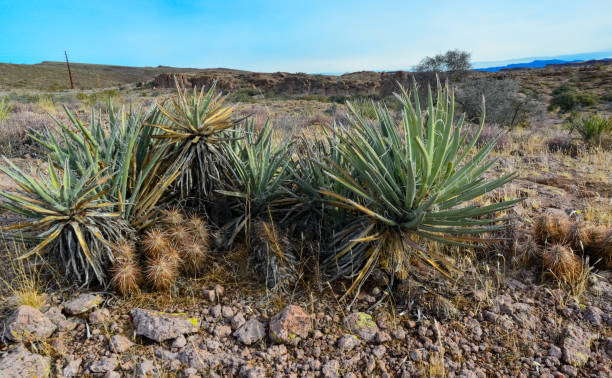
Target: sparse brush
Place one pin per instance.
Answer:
(162, 271)
(5, 109)
(564, 264)
(155, 243)
(590, 127)
(565, 145)
(552, 227)
(489, 132)
(272, 256)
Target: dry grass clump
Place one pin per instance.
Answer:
(272, 256)
(562, 263)
(565, 145)
(21, 280)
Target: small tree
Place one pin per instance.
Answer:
(451, 61)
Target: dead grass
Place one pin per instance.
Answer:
(21, 279)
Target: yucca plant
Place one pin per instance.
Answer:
(590, 127)
(125, 148)
(67, 215)
(193, 129)
(257, 189)
(404, 182)
(256, 185)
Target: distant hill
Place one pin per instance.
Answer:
(53, 76)
(533, 64)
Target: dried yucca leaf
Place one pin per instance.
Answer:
(272, 256)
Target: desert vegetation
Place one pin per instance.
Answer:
(426, 209)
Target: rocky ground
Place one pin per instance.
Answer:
(520, 328)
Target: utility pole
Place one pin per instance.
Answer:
(69, 73)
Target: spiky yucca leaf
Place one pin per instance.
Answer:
(66, 213)
(258, 175)
(416, 178)
(125, 148)
(193, 128)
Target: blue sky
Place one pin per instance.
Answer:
(294, 36)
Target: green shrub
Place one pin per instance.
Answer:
(5, 109)
(192, 127)
(110, 180)
(567, 97)
(398, 182)
(257, 191)
(590, 127)
(97, 99)
(65, 213)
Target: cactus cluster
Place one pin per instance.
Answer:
(564, 240)
(177, 244)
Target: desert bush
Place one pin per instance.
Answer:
(451, 61)
(563, 144)
(489, 132)
(193, 129)
(567, 97)
(505, 104)
(14, 140)
(125, 148)
(5, 109)
(97, 99)
(257, 191)
(591, 127)
(64, 211)
(407, 180)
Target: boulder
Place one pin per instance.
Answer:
(21, 363)
(362, 325)
(292, 323)
(161, 326)
(252, 331)
(27, 322)
(82, 304)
